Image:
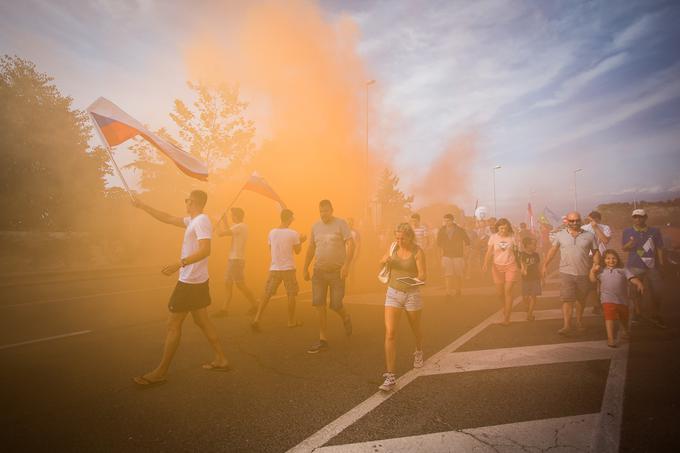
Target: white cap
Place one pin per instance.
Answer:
(640, 212)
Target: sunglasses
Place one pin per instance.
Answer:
(574, 220)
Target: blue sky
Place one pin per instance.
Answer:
(546, 86)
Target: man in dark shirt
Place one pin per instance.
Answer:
(452, 241)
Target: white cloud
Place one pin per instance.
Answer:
(635, 31)
(572, 86)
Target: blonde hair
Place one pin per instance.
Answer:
(407, 232)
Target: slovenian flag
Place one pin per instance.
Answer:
(116, 127)
(258, 184)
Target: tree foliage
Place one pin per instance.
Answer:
(49, 177)
(212, 130)
(394, 206)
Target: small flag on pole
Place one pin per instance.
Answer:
(258, 184)
(116, 127)
(554, 218)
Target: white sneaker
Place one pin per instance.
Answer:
(390, 382)
(418, 359)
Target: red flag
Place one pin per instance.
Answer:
(116, 126)
(258, 184)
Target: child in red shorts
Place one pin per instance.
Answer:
(613, 288)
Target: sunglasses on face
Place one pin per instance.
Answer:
(574, 220)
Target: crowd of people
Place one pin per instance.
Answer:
(589, 269)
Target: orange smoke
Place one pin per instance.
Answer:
(307, 81)
(311, 78)
(448, 177)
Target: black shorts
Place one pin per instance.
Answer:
(189, 297)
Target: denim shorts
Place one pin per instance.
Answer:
(322, 282)
(274, 280)
(410, 301)
(574, 287)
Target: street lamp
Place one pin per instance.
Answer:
(368, 197)
(575, 196)
(493, 173)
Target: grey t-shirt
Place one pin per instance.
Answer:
(329, 239)
(614, 285)
(575, 256)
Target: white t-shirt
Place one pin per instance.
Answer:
(605, 230)
(281, 243)
(239, 235)
(198, 228)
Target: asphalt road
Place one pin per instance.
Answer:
(70, 349)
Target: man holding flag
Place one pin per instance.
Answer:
(191, 294)
(236, 265)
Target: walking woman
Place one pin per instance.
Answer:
(505, 269)
(405, 259)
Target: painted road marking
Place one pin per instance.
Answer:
(604, 429)
(338, 425)
(542, 315)
(556, 434)
(491, 359)
(607, 436)
(88, 296)
(40, 340)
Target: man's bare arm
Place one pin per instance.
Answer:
(551, 254)
(311, 250)
(223, 228)
(202, 252)
(159, 215)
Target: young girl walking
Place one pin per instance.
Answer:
(612, 283)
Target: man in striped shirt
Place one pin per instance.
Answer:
(422, 235)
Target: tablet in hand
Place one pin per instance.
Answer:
(410, 281)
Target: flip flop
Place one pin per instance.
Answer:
(612, 345)
(146, 383)
(211, 367)
(297, 324)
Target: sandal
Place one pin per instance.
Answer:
(146, 382)
(213, 367)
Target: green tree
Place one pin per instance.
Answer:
(393, 205)
(213, 130)
(49, 176)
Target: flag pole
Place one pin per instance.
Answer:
(232, 203)
(115, 165)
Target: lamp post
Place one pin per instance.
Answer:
(575, 196)
(493, 173)
(368, 197)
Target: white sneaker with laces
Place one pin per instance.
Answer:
(418, 359)
(390, 382)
